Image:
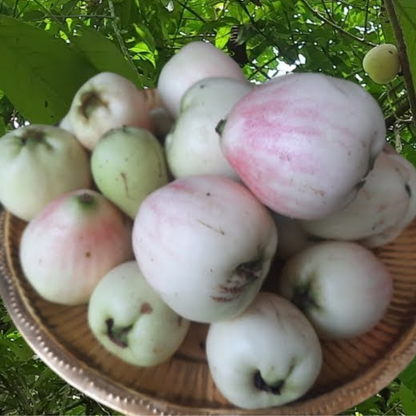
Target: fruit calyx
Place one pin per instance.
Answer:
(90, 101)
(86, 198)
(303, 297)
(32, 137)
(260, 384)
(116, 334)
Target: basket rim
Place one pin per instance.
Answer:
(112, 394)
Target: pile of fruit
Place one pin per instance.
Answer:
(156, 216)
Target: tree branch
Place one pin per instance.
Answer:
(120, 38)
(190, 10)
(404, 59)
(334, 25)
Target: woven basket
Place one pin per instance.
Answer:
(353, 370)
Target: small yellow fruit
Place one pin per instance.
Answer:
(382, 63)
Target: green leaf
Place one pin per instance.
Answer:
(406, 13)
(38, 73)
(408, 376)
(2, 127)
(408, 399)
(222, 37)
(103, 54)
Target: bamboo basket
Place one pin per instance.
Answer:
(353, 370)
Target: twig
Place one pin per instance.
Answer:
(190, 10)
(334, 25)
(120, 38)
(404, 59)
(367, 5)
(329, 14)
(400, 112)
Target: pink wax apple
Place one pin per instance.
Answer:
(205, 244)
(73, 242)
(304, 142)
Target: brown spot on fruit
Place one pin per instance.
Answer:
(146, 308)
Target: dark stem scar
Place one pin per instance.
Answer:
(125, 183)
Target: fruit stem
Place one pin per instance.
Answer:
(275, 388)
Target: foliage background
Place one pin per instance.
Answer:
(49, 48)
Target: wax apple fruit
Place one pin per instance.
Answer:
(380, 204)
(38, 163)
(342, 287)
(104, 102)
(267, 356)
(73, 242)
(382, 63)
(130, 319)
(205, 244)
(192, 147)
(409, 173)
(128, 164)
(303, 143)
(192, 63)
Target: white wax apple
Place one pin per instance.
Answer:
(127, 164)
(304, 142)
(268, 356)
(104, 102)
(193, 62)
(192, 146)
(72, 243)
(38, 163)
(342, 287)
(380, 204)
(205, 244)
(65, 124)
(390, 234)
(130, 319)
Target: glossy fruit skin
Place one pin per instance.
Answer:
(342, 287)
(38, 163)
(192, 146)
(380, 204)
(382, 63)
(267, 356)
(144, 330)
(73, 242)
(390, 234)
(303, 143)
(193, 62)
(205, 244)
